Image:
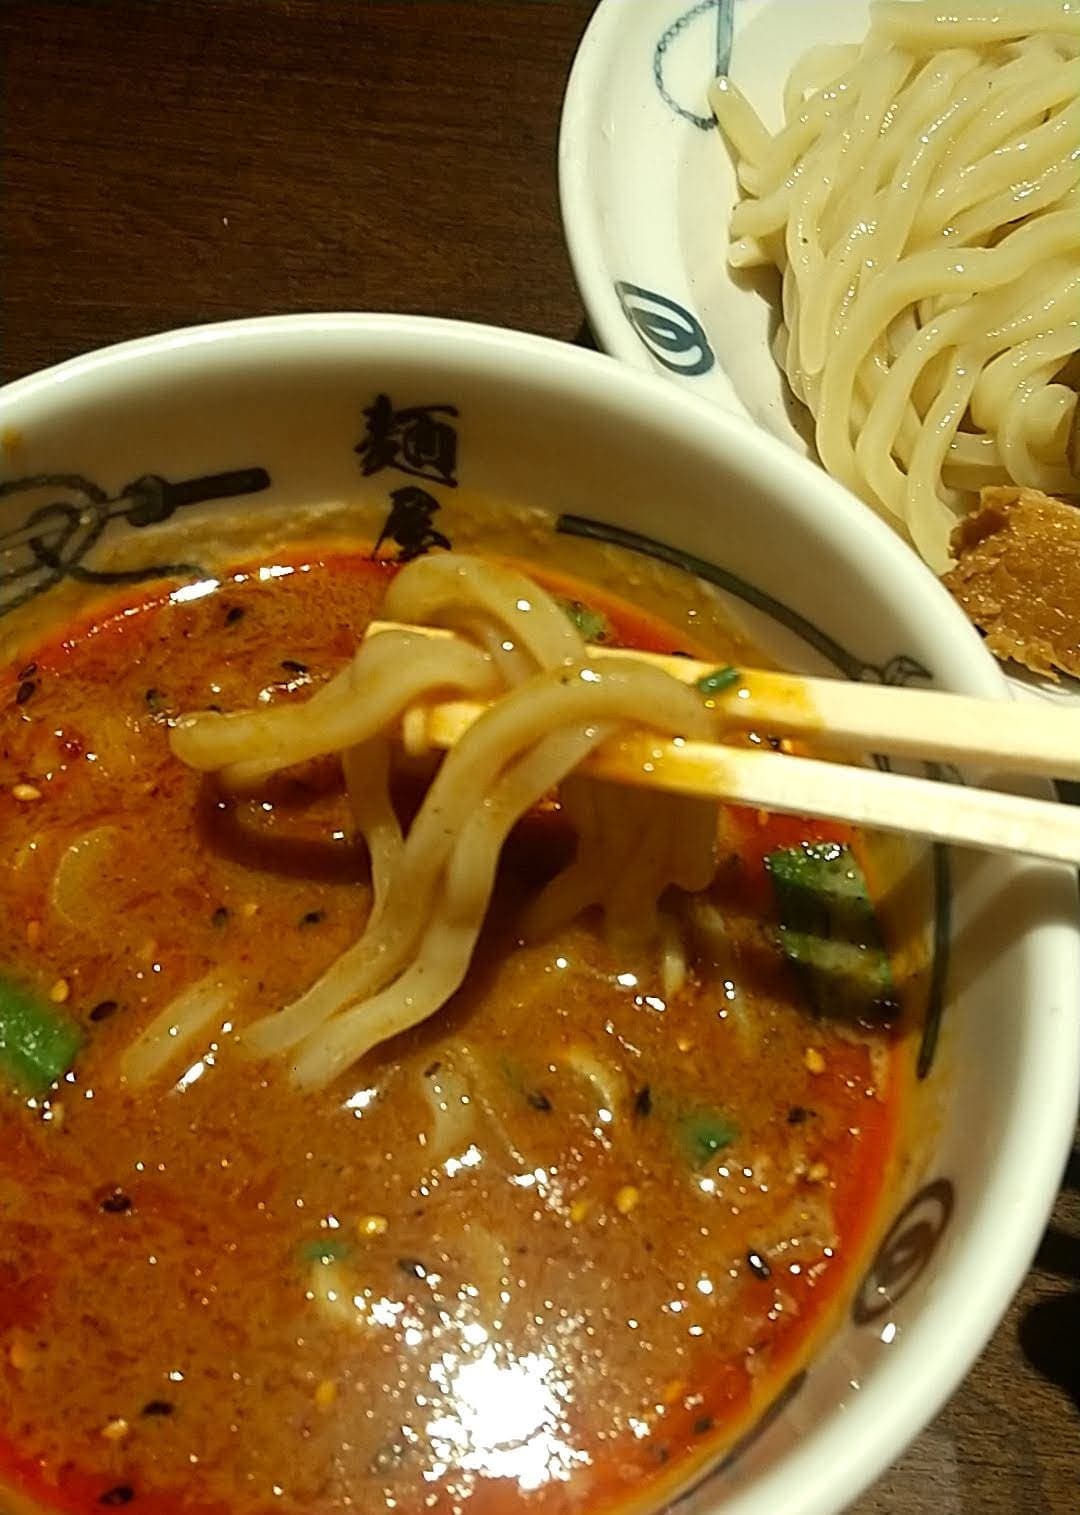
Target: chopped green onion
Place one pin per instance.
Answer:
(703, 1133)
(38, 1042)
(719, 680)
(591, 623)
(829, 932)
(325, 1249)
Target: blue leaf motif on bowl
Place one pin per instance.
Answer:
(673, 335)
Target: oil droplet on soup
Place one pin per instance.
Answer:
(551, 1245)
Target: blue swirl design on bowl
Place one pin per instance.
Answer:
(725, 14)
(671, 333)
(905, 1251)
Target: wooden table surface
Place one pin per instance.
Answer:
(167, 162)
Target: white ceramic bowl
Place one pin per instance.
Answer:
(113, 449)
(647, 185)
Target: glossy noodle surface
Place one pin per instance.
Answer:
(551, 1246)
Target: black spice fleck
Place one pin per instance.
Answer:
(313, 917)
(643, 1101)
(26, 690)
(27, 672)
(219, 917)
(121, 1495)
(538, 1099)
(432, 1068)
(703, 1425)
(157, 1407)
(797, 1114)
(233, 614)
(412, 1266)
(290, 665)
(662, 1453)
(116, 1203)
(104, 1009)
(757, 1265)
(154, 699)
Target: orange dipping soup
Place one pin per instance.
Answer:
(544, 1253)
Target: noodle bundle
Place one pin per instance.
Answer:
(922, 204)
(431, 888)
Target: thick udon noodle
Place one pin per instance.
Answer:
(550, 707)
(922, 203)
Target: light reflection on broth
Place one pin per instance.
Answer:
(554, 1243)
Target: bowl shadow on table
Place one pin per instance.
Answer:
(1050, 1330)
(583, 337)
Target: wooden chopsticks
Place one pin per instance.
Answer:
(899, 722)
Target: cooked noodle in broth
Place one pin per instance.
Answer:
(922, 204)
(432, 889)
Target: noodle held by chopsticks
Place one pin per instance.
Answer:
(432, 887)
(922, 203)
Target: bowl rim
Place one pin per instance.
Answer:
(579, 212)
(831, 1464)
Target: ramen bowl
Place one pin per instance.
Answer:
(147, 467)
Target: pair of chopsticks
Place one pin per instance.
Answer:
(898, 722)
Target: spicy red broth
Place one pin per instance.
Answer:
(543, 1250)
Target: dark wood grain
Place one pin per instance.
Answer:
(174, 161)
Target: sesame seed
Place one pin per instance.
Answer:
(325, 1394)
(26, 793)
(115, 1430)
(122, 1494)
(19, 1354)
(373, 1225)
(814, 1060)
(818, 1172)
(627, 1199)
(579, 1209)
(33, 933)
(60, 992)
